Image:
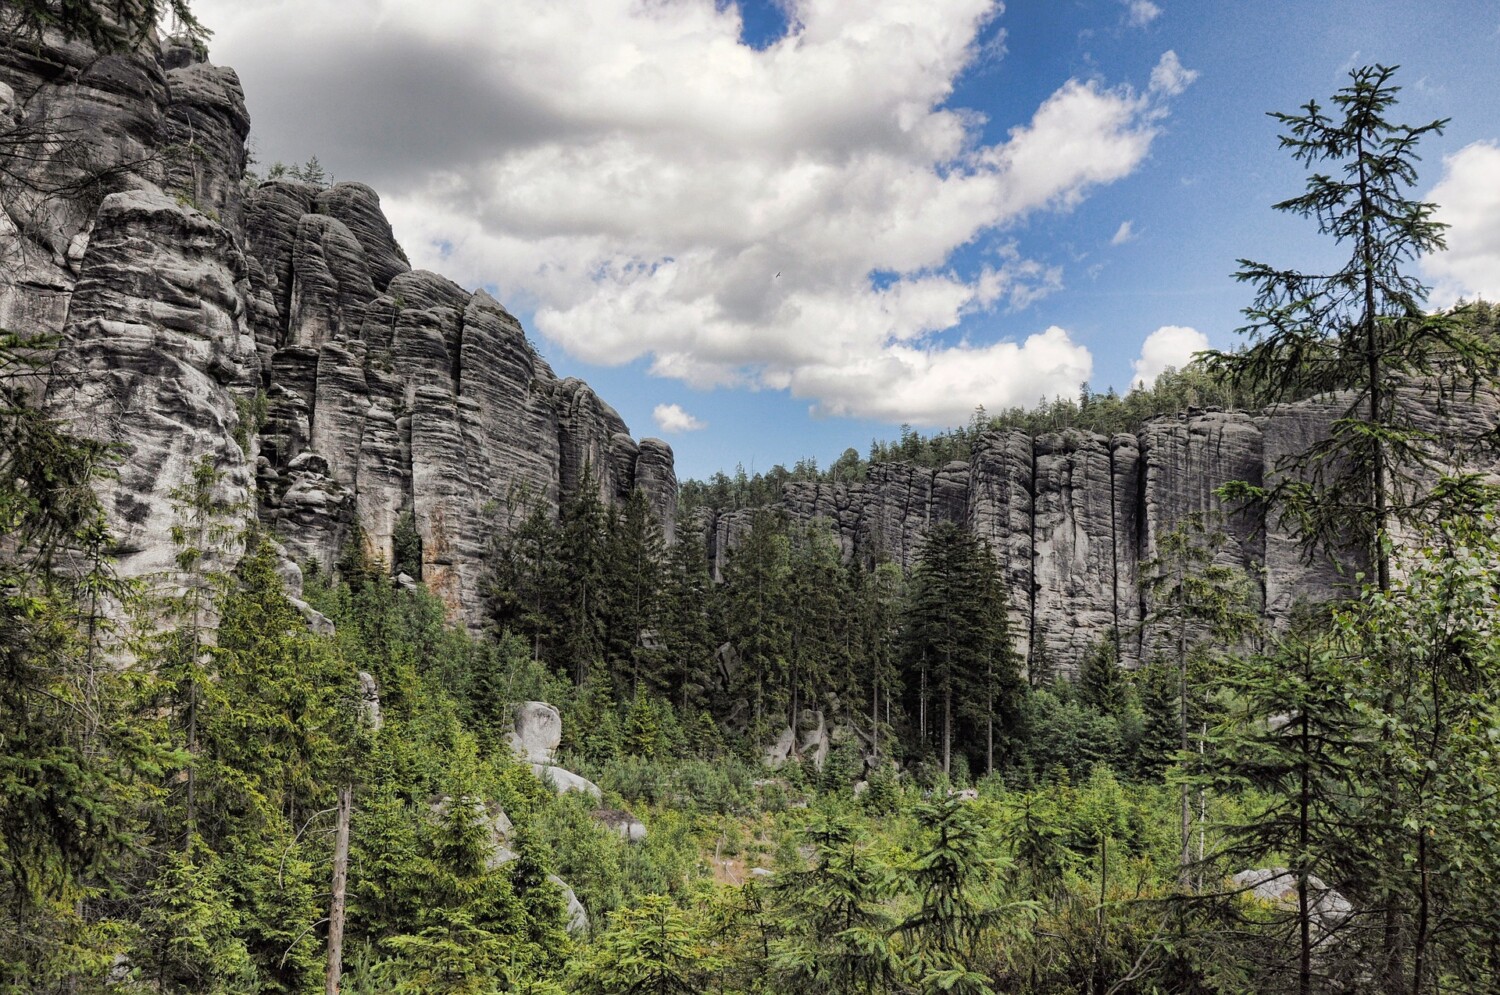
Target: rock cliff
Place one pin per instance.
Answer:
(276, 329)
(1073, 518)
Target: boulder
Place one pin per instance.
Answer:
(536, 732)
(1278, 886)
(810, 740)
(622, 823)
(316, 620)
(564, 780)
(578, 916)
(369, 696)
(777, 753)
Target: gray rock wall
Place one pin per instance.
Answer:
(187, 300)
(1075, 519)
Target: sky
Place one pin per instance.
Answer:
(768, 230)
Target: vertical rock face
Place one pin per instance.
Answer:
(1000, 513)
(207, 124)
(279, 331)
(1073, 547)
(76, 127)
(156, 352)
(1075, 520)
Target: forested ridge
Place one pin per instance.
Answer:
(238, 776)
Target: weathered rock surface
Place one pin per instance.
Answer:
(621, 823)
(810, 740)
(184, 297)
(563, 780)
(281, 333)
(536, 733)
(155, 353)
(1277, 886)
(1075, 519)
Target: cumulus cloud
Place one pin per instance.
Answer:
(1169, 345)
(1141, 12)
(1468, 199)
(1123, 234)
(672, 419)
(648, 186)
(942, 386)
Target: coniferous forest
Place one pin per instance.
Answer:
(805, 775)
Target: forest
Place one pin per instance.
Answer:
(203, 794)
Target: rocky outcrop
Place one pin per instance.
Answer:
(536, 732)
(621, 823)
(277, 329)
(534, 737)
(157, 359)
(1075, 519)
(1277, 887)
(809, 740)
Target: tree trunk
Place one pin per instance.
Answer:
(948, 728)
(1186, 857)
(1304, 816)
(340, 885)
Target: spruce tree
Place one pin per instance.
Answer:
(838, 938)
(1195, 607)
(1359, 333)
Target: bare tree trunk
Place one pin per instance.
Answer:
(948, 728)
(1183, 875)
(340, 886)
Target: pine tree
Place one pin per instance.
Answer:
(957, 638)
(632, 596)
(817, 608)
(651, 948)
(1195, 606)
(1360, 330)
(756, 616)
(1289, 752)
(689, 616)
(74, 772)
(949, 876)
(838, 927)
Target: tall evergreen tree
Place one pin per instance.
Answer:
(756, 615)
(689, 618)
(1360, 332)
(632, 596)
(1196, 608)
(957, 639)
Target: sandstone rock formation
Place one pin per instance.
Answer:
(1277, 886)
(810, 741)
(621, 823)
(536, 732)
(276, 329)
(1075, 518)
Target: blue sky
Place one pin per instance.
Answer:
(927, 183)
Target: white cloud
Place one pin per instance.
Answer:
(671, 418)
(637, 178)
(1141, 12)
(1169, 345)
(1468, 199)
(1123, 234)
(1170, 77)
(931, 387)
